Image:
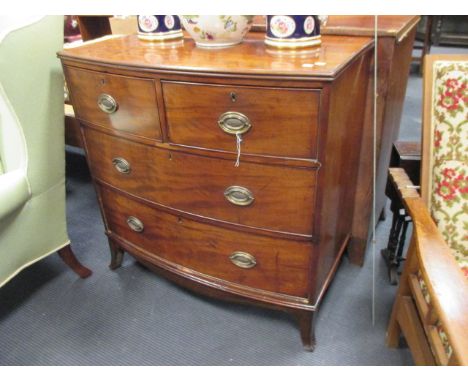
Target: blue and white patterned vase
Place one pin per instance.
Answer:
(285, 31)
(159, 27)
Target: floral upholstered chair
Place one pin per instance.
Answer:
(431, 306)
(447, 170)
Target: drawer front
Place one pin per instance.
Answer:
(271, 264)
(257, 195)
(278, 122)
(116, 102)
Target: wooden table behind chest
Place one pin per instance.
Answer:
(163, 127)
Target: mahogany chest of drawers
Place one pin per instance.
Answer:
(232, 172)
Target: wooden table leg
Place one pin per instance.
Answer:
(117, 254)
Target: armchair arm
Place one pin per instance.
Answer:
(13, 150)
(446, 283)
(14, 191)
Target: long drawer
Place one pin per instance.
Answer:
(277, 198)
(256, 261)
(121, 103)
(273, 121)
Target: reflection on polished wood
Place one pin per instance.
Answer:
(198, 183)
(250, 57)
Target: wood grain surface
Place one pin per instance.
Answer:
(284, 196)
(281, 264)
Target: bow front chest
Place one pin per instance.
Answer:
(231, 172)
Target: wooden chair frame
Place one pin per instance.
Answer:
(429, 258)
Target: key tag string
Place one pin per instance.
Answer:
(238, 147)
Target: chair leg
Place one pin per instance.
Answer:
(394, 330)
(69, 258)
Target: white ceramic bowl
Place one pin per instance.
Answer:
(216, 31)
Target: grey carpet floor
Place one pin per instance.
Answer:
(48, 316)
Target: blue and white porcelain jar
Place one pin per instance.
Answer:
(285, 31)
(159, 27)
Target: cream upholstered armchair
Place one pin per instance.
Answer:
(431, 306)
(32, 151)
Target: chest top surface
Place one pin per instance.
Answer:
(252, 57)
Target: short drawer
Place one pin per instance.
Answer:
(256, 261)
(126, 104)
(278, 122)
(277, 198)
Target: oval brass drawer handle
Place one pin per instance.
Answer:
(240, 196)
(107, 103)
(135, 224)
(234, 123)
(243, 260)
(121, 165)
